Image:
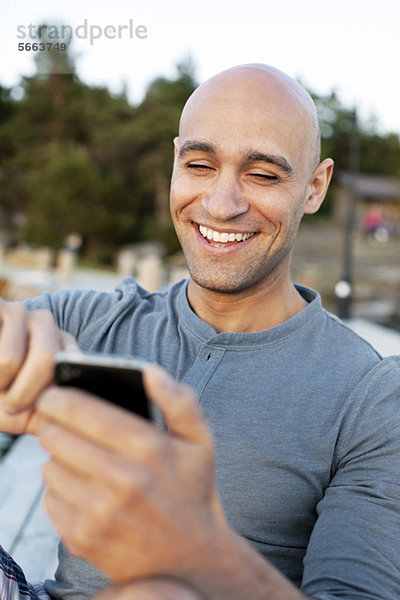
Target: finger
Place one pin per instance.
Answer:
(76, 524)
(64, 483)
(13, 341)
(25, 421)
(178, 404)
(61, 515)
(38, 369)
(14, 424)
(80, 493)
(95, 419)
(93, 510)
(84, 459)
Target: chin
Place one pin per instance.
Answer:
(224, 285)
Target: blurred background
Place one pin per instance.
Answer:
(89, 108)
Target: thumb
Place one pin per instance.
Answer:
(178, 405)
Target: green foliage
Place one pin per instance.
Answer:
(64, 189)
(77, 159)
(341, 129)
(380, 154)
(6, 105)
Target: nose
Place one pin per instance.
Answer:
(225, 199)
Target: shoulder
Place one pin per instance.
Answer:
(331, 328)
(384, 380)
(345, 335)
(75, 310)
(337, 349)
(126, 289)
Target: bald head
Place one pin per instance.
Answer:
(262, 88)
(246, 163)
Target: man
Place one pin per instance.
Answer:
(286, 484)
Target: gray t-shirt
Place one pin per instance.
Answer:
(306, 424)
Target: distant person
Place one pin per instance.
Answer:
(376, 226)
(372, 221)
(277, 475)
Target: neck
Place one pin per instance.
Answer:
(247, 311)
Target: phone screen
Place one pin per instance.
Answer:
(117, 380)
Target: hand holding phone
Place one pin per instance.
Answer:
(116, 379)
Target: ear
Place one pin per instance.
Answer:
(176, 146)
(318, 186)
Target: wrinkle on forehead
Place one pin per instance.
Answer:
(261, 85)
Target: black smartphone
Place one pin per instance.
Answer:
(116, 379)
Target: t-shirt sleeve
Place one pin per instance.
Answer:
(75, 579)
(354, 549)
(86, 314)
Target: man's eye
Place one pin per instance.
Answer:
(265, 176)
(198, 166)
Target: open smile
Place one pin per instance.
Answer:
(223, 237)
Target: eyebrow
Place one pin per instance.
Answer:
(190, 146)
(279, 161)
(252, 156)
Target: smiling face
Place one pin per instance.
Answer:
(244, 174)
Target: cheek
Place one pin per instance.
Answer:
(272, 207)
(181, 194)
(280, 208)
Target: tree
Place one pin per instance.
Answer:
(156, 125)
(378, 154)
(78, 159)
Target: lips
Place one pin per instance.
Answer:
(223, 237)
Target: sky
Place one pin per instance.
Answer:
(350, 46)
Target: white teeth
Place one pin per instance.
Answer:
(216, 236)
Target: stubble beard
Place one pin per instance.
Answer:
(217, 277)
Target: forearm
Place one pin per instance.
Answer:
(242, 573)
(154, 588)
(234, 570)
